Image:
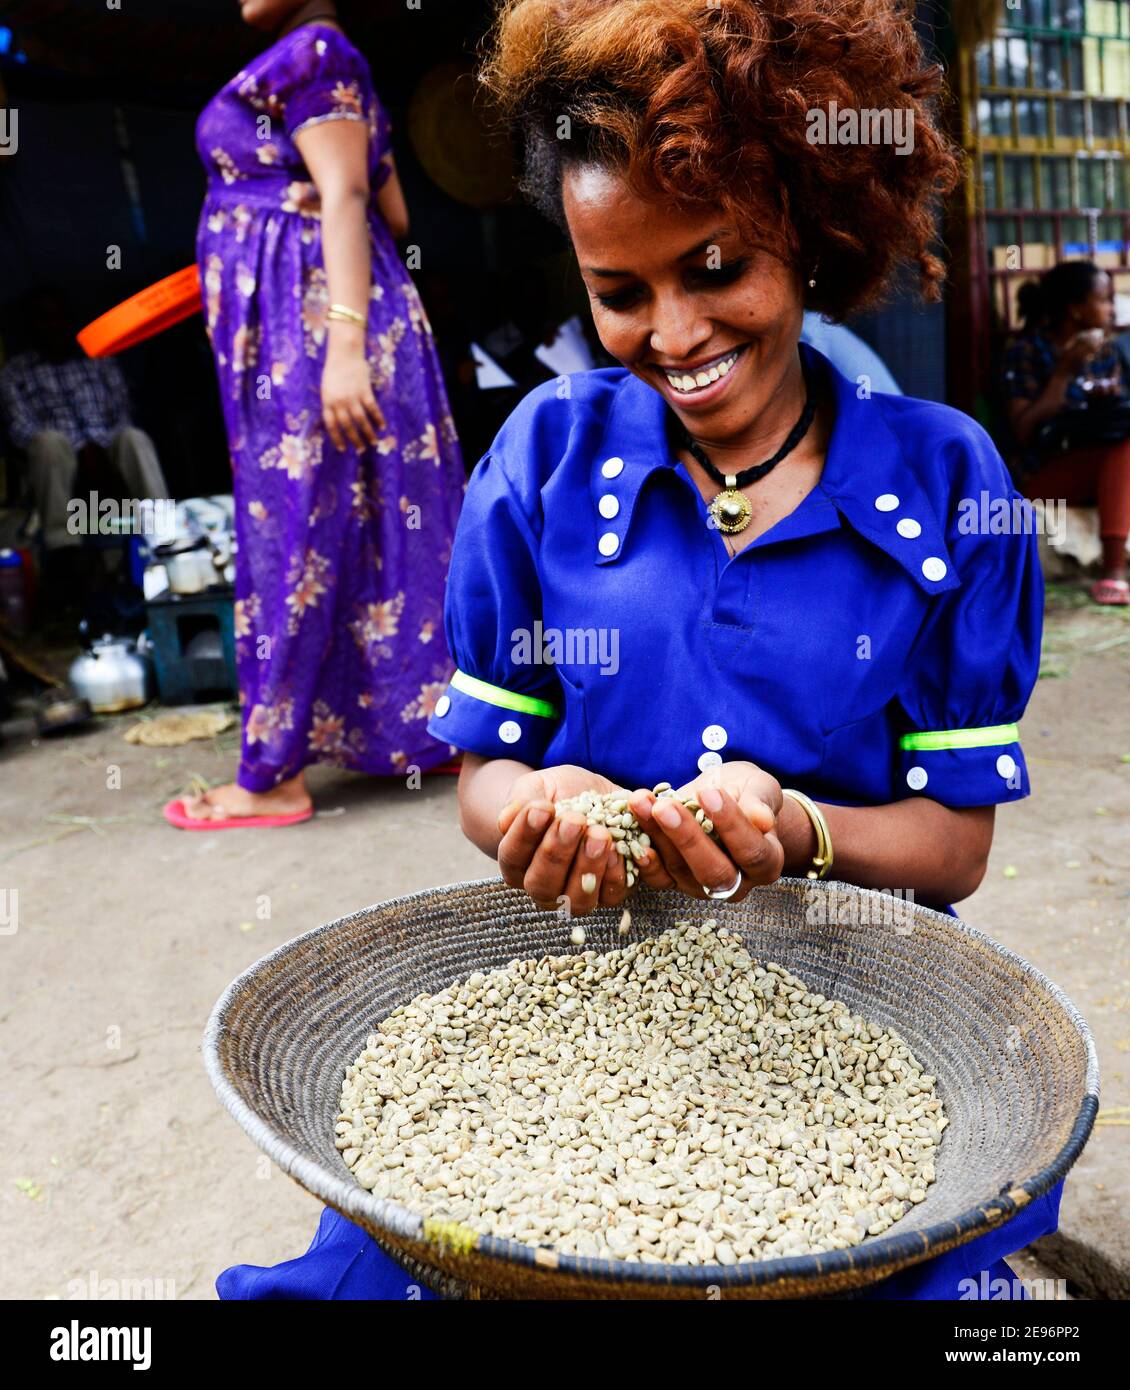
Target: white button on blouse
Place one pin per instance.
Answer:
(443, 704)
(608, 543)
(609, 506)
(909, 528)
(916, 778)
(709, 760)
(714, 736)
(612, 468)
(509, 731)
(887, 502)
(934, 568)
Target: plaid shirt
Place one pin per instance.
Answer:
(84, 398)
(1030, 360)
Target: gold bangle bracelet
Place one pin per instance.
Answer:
(342, 313)
(823, 858)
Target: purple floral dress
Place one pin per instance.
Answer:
(342, 555)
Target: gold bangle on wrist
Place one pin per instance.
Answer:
(342, 313)
(823, 858)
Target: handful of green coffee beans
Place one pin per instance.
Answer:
(611, 810)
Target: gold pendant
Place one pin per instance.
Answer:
(730, 508)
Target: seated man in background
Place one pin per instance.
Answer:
(71, 414)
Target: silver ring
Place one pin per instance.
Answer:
(720, 894)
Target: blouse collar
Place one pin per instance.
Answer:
(867, 481)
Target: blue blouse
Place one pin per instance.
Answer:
(879, 642)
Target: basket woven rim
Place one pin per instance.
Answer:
(894, 1251)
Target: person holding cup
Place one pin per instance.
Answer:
(1068, 410)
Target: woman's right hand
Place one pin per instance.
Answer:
(1079, 350)
(349, 408)
(550, 856)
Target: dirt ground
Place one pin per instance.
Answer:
(118, 1163)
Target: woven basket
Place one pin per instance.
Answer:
(1014, 1060)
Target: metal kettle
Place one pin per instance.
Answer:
(110, 673)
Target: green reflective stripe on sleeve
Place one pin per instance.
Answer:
(993, 734)
(505, 699)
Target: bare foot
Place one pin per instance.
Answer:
(233, 801)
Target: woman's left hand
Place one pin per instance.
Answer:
(745, 823)
(349, 407)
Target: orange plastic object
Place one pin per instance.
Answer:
(144, 315)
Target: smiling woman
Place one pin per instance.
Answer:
(809, 639)
(673, 142)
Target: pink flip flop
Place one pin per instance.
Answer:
(1111, 593)
(176, 815)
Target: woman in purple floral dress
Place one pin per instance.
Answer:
(347, 473)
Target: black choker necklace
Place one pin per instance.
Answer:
(730, 509)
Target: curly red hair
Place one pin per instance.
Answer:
(706, 102)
